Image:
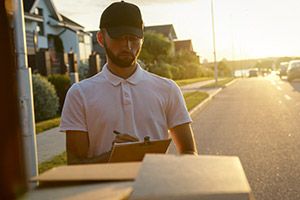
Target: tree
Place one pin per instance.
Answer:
(224, 69)
(156, 47)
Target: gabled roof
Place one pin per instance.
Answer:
(166, 30)
(183, 45)
(61, 20)
(70, 22)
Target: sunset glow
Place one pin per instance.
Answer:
(244, 29)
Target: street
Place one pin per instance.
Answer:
(256, 119)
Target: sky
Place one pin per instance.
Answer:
(243, 28)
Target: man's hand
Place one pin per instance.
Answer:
(124, 137)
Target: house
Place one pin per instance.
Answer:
(50, 35)
(166, 30)
(184, 45)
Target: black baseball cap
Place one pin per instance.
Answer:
(122, 18)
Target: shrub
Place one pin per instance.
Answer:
(45, 98)
(83, 70)
(161, 69)
(61, 84)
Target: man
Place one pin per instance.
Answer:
(122, 97)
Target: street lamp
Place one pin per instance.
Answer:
(214, 42)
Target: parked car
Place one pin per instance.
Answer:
(283, 69)
(293, 71)
(253, 73)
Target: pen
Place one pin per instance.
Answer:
(116, 132)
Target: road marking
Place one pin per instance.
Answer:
(287, 97)
(279, 88)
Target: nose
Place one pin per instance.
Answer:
(129, 45)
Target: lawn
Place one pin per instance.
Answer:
(47, 124)
(192, 80)
(221, 83)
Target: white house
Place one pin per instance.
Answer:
(48, 30)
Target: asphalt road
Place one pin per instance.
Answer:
(258, 120)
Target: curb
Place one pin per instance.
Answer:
(202, 105)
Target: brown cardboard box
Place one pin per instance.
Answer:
(92, 172)
(190, 177)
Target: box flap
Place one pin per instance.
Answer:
(92, 172)
(191, 177)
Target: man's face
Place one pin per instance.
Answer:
(122, 51)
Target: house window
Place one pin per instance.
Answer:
(39, 11)
(40, 28)
(81, 38)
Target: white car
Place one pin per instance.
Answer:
(293, 71)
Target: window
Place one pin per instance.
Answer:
(39, 11)
(81, 38)
(40, 28)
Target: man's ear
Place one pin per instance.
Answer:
(100, 38)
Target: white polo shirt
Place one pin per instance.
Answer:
(142, 105)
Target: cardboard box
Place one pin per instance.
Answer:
(188, 177)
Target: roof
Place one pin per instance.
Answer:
(61, 19)
(183, 45)
(70, 22)
(166, 30)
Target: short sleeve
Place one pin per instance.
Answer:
(177, 112)
(73, 114)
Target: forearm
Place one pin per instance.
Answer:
(184, 140)
(73, 160)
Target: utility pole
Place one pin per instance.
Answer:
(214, 42)
(25, 91)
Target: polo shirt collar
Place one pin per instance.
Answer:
(134, 79)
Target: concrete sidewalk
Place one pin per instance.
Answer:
(52, 142)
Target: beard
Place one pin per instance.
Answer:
(124, 59)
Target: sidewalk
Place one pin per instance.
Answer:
(52, 142)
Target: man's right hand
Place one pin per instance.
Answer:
(124, 137)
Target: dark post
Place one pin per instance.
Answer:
(94, 64)
(73, 69)
(12, 164)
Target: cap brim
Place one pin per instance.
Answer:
(115, 32)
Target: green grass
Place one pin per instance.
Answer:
(192, 99)
(45, 125)
(54, 162)
(193, 80)
(221, 83)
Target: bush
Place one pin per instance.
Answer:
(161, 69)
(83, 70)
(45, 98)
(61, 83)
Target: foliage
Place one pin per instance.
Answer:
(155, 47)
(161, 69)
(46, 125)
(45, 98)
(224, 69)
(159, 58)
(83, 70)
(61, 83)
